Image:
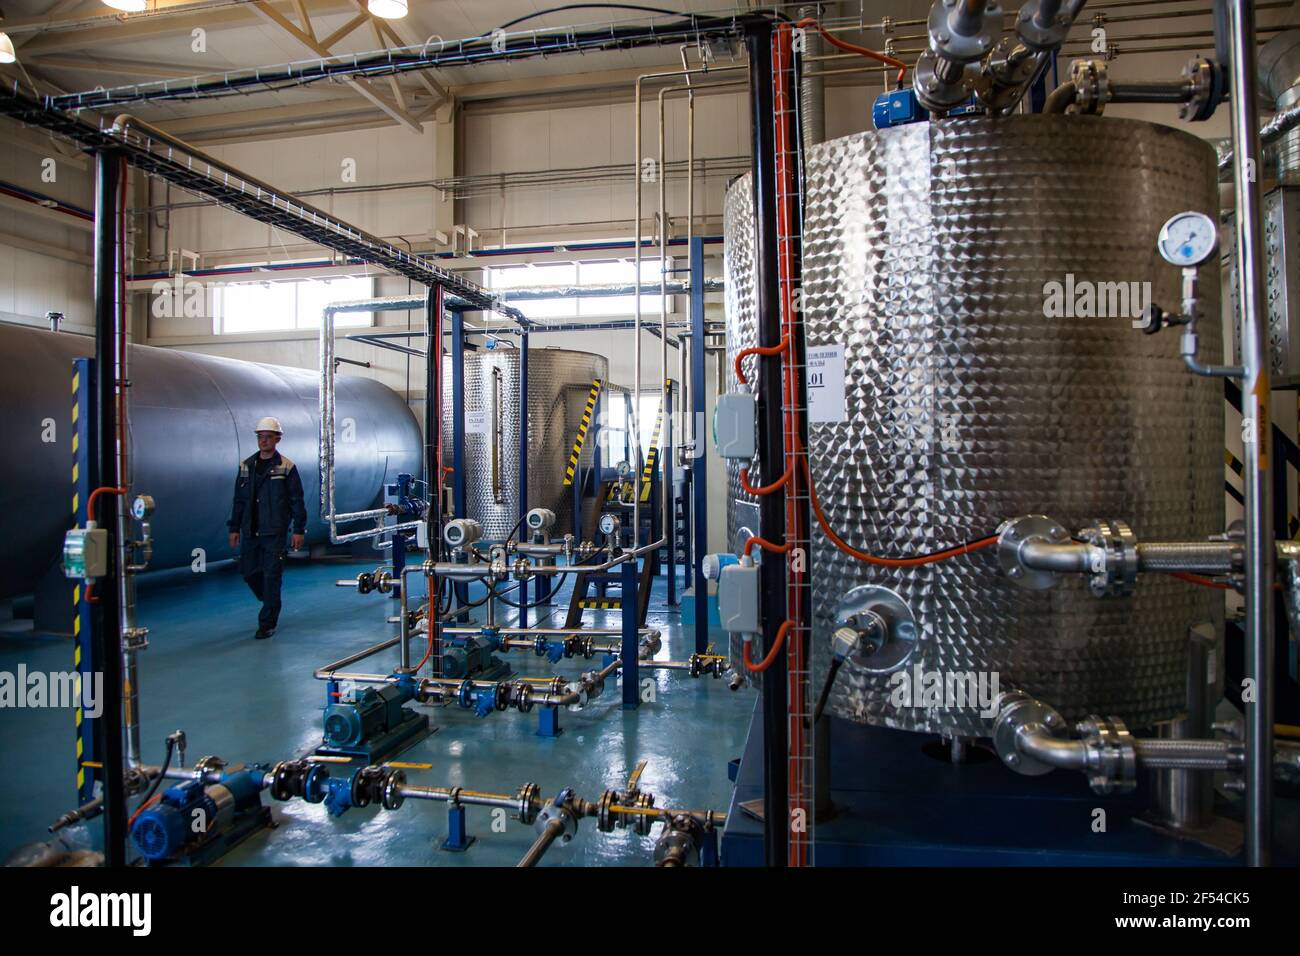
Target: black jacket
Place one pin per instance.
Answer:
(279, 503)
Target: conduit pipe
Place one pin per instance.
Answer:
(1257, 479)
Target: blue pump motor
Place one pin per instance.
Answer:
(191, 813)
(368, 712)
(896, 108)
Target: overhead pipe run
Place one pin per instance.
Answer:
(448, 53)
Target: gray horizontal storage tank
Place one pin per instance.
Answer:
(559, 384)
(191, 422)
(929, 251)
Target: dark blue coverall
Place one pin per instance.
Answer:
(266, 507)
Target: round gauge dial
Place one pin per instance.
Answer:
(608, 524)
(1188, 239)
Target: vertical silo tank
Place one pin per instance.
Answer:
(559, 384)
(191, 421)
(937, 256)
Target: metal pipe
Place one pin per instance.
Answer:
(758, 39)
(1272, 131)
(635, 417)
(327, 671)
(554, 827)
(1255, 408)
(107, 639)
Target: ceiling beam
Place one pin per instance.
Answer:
(396, 112)
(344, 30)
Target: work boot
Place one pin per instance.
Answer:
(263, 633)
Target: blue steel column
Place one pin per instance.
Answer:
(460, 589)
(523, 460)
(699, 459)
(629, 602)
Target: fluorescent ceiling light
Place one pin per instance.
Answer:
(388, 9)
(126, 6)
(7, 54)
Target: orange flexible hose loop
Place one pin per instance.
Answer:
(766, 662)
(105, 490)
(847, 47)
(758, 350)
(765, 489)
(873, 559)
(766, 546)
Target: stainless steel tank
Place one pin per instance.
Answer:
(559, 383)
(191, 423)
(929, 253)
(742, 333)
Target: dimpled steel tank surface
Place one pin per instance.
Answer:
(559, 382)
(928, 252)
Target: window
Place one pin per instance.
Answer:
(292, 304)
(580, 274)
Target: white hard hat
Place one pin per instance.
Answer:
(269, 424)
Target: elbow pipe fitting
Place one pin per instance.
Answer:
(1031, 738)
(1034, 550)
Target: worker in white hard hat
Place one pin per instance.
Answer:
(268, 506)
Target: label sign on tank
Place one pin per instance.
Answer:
(476, 423)
(824, 381)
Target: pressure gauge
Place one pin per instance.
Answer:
(1188, 239)
(142, 507)
(609, 524)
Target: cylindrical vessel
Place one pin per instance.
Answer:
(559, 384)
(742, 333)
(191, 424)
(980, 278)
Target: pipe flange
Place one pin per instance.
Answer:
(1115, 566)
(501, 696)
(1111, 754)
(367, 785)
(887, 631)
(604, 815)
(527, 797)
(1091, 86)
(933, 92)
(1036, 37)
(524, 700)
(286, 779)
(949, 42)
(679, 844)
(391, 797)
(1012, 535)
(1207, 82)
(1018, 710)
(644, 821)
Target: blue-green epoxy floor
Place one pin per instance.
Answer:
(255, 701)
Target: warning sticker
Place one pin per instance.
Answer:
(824, 381)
